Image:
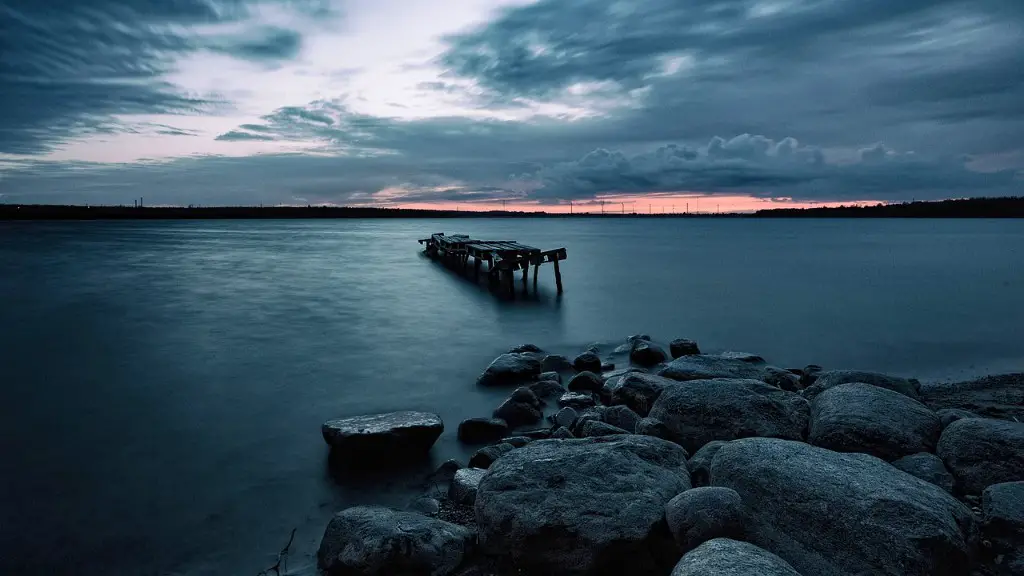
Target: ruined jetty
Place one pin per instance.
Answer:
(503, 258)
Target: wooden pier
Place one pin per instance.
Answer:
(503, 258)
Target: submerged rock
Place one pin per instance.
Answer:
(701, 514)
(480, 430)
(683, 347)
(833, 378)
(725, 557)
(707, 367)
(586, 382)
(384, 435)
(646, 353)
(980, 452)
(588, 506)
(587, 362)
(370, 540)
(484, 457)
(510, 369)
(927, 467)
(464, 485)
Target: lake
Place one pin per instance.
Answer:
(164, 382)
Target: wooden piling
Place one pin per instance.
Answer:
(558, 277)
(526, 277)
(536, 272)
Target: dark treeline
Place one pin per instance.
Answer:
(1009, 207)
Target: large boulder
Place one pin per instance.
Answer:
(831, 514)
(585, 506)
(510, 369)
(872, 420)
(639, 390)
(622, 417)
(781, 379)
(484, 457)
(1002, 508)
(481, 430)
(564, 417)
(645, 353)
(949, 415)
(383, 435)
(700, 463)
(704, 410)
(652, 427)
(587, 362)
(555, 363)
(927, 467)
(586, 382)
(370, 540)
(522, 407)
(524, 349)
(833, 378)
(703, 514)
(464, 485)
(708, 366)
(594, 428)
(547, 389)
(726, 557)
(683, 347)
(981, 451)
(999, 396)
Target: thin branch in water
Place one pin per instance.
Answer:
(281, 566)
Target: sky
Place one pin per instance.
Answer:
(645, 105)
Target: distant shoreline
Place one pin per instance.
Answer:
(1009, 207)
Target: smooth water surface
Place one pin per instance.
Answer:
(164, 382)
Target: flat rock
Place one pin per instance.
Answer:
(683, 347)
(980, 452)
(385, 435)
(829, 513)
(565, 417)
(742, 356)
(577, 400)
(724, 409)
(464, 485)
(550, 376)
(700, 463)
(586, 506)
(622, 417)
(484, 457)
(833, 378)
(645, 353)
(586, 382)
(865, 418)
(639, 391)
(725, 557)
(547, 389)
(587, 362)
(709, 366)
(517, 441)
(927, 467)
(524, 348)
(595, 428)
(555, 363)
(480, 430)
(780, 378)
(510, 369)
(701, 514)
(370, 540)
(999, 396)
(562, 433)
(1002, 508)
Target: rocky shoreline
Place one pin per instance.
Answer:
(642, 458)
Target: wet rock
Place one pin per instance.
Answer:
(809, 375)
(683, 347)
(780, 378)
(607, 366)
(927, 467)
(464, 485)
(587, 362)
(999, 396)
(742, 357)
(370, 540)
(949, 415)
(652, 427)
(517, 441)
(613, 375)
(547, 389)
(595, 428)
(706, 410)
(426, 506)
(829, 513)
(517, 413)
(577, 400)
(833, 378)
(565, 417)
(510, 369)
(726, 557)
(646, 353)
(622, 417)
(707, 367)
(638, 338)
(562, 433)
(443, 474)
(639, 391)
(700, 462)
(480, 430)
(701, 514)
(555, 363)
(980, 452)
(524, 348)
(389, 435)
(484, 457)
(872, 420)
(550, 376)
(586, 382)
(587, 506)
(538, 434)
(595, 413)
(1002, 508)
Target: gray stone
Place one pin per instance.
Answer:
(578, 400)
(927, 467)
(586, 382)
(780, 378)
(524, 348)
(536, 434)
(865, 418)
(555, 363)
(587, 362)
(562, 433)
(706, 410)
(615, 374)
(517, 441)
(594, 413)
(683, 347)
(833, 378)
(426, 506)
(622, 417)
(510, 369)
(547, 389)
(550, 376)
(700, 462)
(525, 394)
(701, 514)
(595, 428)
(389, 435)
(980, 452)
(464, 485)
(586, 506)
(949, 415)
(484, 457)
(480, 430)
(517, 413)
(1000, 396)
(370, 540)
(652, 427)
(830, 514)
(809, 375)
(638, 337)
(725, 557)
(708, 366)
(639, 391)
(1002, 508)
(646, 353)
(607, 367)
(743, 357)
(565, 417)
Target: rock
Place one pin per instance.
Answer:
(555, 363)
(615, 374)
(652, 427)
(706, 410)
(809, 375)
(706, 367)
(980, 452)
(547, 389)
(517, 413)
(830, 514)
(683, 347)
(834, 378)
(645, 353)
(639, 391)
(538, 434)
(927, 467)
(565, 417)
(604, 395)
(701, 514)
(1002, 507)
(480, 430)
(586, 382)
(464, 485)
(700, 462)
(441, 477)
(607, 367)
(517, 441)
(526, 395)
(623, 348)
(742, 357)
(370, 540)
(872, 420)
(780, 378)
(638, 338)
(725, 557)
(622, 417)
(576, 400)
(484, 457)
(389, 435)
(524, 348)
(562, 433)
(426, 506)
(550, 376)
(594, 413)
(999, 396)
(587, 506)
(595, 428)
(949, 415)
(587, 362)
(510, 369)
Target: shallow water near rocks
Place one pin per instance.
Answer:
(165, 382)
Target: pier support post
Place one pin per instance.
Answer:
(476, 267)
(526, 276)
(510, 275)
(536, 272)
(558, 277)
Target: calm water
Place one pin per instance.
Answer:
(164, 383)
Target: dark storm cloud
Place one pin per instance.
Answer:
(265, 45)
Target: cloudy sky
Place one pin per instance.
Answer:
(732, 103)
